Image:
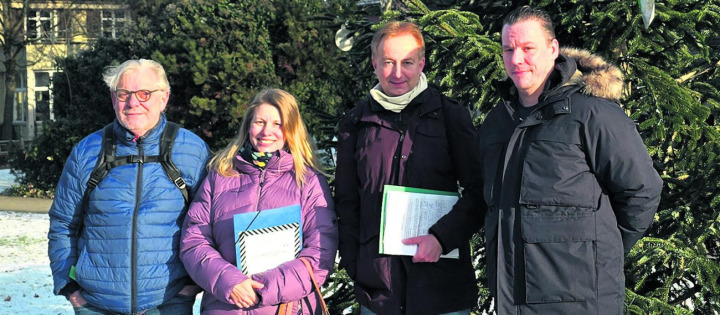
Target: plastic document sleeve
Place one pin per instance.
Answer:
(266, 239)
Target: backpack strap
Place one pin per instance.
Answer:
(102, 167)
(165, 158)
(107, 160)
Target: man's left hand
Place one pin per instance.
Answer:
(428, 248)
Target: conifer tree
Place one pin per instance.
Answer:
(311, 67)
(217, 56)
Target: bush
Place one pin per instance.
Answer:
(28, 191)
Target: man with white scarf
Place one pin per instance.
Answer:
(406, 133)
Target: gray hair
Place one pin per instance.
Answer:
(113, 74)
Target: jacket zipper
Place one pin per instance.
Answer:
(257, 203)
(133, 257)
(261, 184)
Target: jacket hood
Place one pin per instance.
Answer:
(599, 78)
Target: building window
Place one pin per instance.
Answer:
(20, 98)
(112, 23)
(106, 23)
(65, 28)
(43, 97)
(20, 105)
(40, 24)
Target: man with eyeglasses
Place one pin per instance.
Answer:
(115, 249)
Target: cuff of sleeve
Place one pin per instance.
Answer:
(69, 289)
(260, 292)
(437, 237)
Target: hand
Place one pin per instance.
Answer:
(428, 248)
(190, 290)
(243, 293)
(76, 299)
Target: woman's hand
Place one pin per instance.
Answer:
(243, 293)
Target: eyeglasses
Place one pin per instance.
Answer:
(142, 95)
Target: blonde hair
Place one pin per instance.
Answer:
(297, 139)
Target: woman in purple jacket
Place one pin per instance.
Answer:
(270, 164)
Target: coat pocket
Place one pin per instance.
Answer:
(555, 169)
(430, 151)
(560, 255)
(80, 266)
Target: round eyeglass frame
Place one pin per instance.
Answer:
(141, 95)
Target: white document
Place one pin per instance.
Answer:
(267, 250)
(408, 214)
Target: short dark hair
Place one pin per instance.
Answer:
(527, 12)
(396, 28)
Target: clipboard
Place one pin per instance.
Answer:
(409, 212)
(267, 238)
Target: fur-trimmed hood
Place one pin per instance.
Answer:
(600, 78)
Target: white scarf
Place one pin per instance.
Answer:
(397, 103)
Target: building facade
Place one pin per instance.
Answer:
(40, 32)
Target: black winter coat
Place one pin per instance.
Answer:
(569, 189)
(430, 144)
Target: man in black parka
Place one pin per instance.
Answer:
(569, 184)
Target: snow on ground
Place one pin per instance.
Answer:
(25, 280)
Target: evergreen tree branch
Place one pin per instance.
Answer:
(697, 73)
(689, 293)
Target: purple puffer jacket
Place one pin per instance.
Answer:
(208, 250)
